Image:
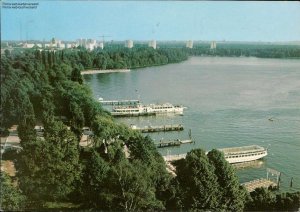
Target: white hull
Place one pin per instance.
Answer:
(166, 108)
(175, 110)
(242, 159)
(233, 155)
(244, 154)
(152, 108)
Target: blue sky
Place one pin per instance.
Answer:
(160, 20)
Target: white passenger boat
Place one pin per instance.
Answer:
(166, 108)
(232, 155)
(134, 110)
(244, 153)
(140, 109)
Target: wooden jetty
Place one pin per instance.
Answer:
(258, 183)
(163, 128)
(176, 142)
(264, 182)
(119, 102)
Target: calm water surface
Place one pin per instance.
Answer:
(229, 102)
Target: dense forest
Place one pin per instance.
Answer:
(122, 170)
(247, 50)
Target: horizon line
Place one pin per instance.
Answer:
(145, 40)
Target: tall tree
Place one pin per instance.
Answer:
(76, 75)
(93, 188)
(233, 195)
(49, 166)
(135, 190)
(198, 187)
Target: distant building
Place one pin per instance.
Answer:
(81, 42)
(213, 45)
(152, 44)
(101, 45)
(69, 45)
(47, 45)
(28, 45)
(89, 44)
(189, 44)
(55, 43)
(129, 44)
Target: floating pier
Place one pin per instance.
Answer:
(119, 102)
(177, 142)
(273, 180)
(258, 183)
(162, 128)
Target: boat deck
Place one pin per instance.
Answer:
(120, 102)
(123, 114)
(234, 150)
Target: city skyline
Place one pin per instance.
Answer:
(159, 20)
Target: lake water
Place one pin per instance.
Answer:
(229, 102)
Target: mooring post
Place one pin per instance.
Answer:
(278, 180)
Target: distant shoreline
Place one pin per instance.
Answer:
(104, 71)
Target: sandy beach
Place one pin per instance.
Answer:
(104, 71)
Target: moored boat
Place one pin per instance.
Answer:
(233, 155)
(132, 110)
(140, 109)
(244, 153)
(166, 108)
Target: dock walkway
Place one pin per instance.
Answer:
(162, 128)
(177, 142)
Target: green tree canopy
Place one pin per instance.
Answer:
(48, 167)
(11, 197)
(233, 196)
(198, 186)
